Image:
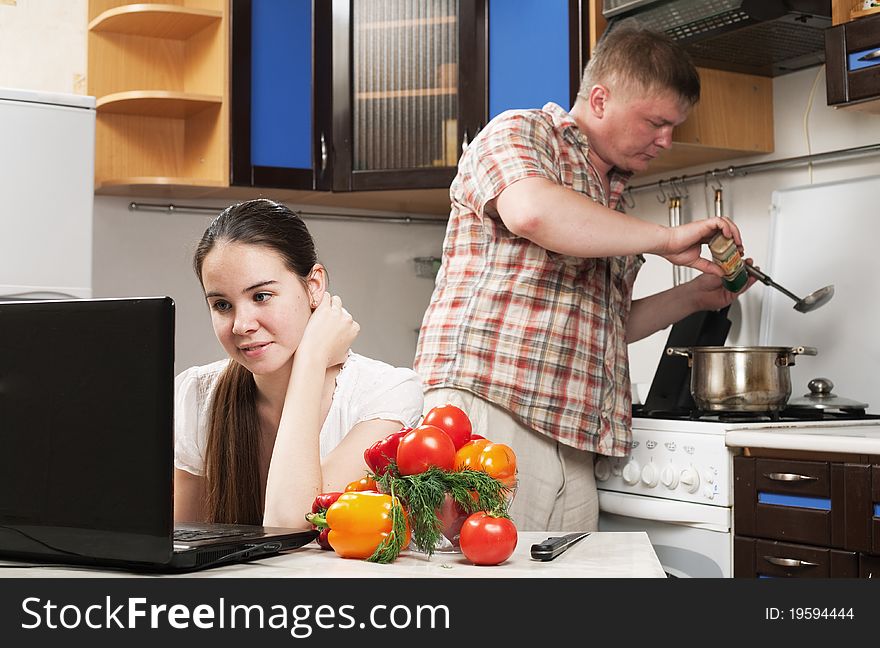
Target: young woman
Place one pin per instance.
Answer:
(292, 410)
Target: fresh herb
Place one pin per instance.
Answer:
(392, 544)
(423, 493)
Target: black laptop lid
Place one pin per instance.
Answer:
(86, 429)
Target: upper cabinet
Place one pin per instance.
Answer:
(355, 95)
(158, 71)
(217, 97)
(852, 53)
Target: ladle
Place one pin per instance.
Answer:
(811, 302)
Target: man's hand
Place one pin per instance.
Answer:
(710, 294)
(684, 244)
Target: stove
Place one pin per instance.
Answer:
(677, 482)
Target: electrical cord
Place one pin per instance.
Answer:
(807, 111)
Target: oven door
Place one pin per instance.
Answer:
(691, 540)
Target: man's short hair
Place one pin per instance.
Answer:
(630, 57)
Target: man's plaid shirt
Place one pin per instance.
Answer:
(539, 334)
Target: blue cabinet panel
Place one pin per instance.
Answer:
(528, 54)
(281, 84)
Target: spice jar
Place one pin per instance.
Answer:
(726, 255)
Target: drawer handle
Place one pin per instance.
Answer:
(789, 562)
(789, 477)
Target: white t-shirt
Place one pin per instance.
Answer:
(365, 389)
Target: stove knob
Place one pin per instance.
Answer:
(690, 479)
(602, 469)
(669, 477)
(631, 473)
(650, 475)
(617, 466)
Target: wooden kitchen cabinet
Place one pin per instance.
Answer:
(815, 516)
(158, 71)
(845, 10)
(355, 95)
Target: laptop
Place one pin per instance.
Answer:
(87, 442)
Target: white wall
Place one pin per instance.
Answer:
(43, 45)
(371, 266)
(747, 199)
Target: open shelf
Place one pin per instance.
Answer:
(861, 13)
(156, 103)
(158, 21)
(158, 71)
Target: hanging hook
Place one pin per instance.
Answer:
(627, 198)
(662, 192)
(719, 187)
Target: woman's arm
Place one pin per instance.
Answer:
(295, 472)
(189, 497)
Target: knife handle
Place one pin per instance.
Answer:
(555, 545)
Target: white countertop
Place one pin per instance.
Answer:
(860, 439)
(600, 555)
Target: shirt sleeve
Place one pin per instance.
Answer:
(518, 145)
(186, 423)
(397, 396)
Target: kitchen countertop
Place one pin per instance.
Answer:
(862, 437)
(600, 555)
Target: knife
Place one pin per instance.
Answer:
(555, 545)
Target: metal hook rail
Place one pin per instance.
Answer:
(170, 208)
(759, 167)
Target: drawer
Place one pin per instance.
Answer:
(813, 502)
(808, 479)
(756, 558)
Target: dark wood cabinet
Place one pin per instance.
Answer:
(347, 95)
(806, 518)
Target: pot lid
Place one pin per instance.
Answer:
(821, 397)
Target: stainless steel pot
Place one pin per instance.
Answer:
(740, 379)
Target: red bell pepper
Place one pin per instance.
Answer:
(381, 453)
(318, 516)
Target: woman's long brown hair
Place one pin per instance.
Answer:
(232, 459)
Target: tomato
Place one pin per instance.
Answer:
(423, 447)
(499, 461)
(363, 484)
(451, 420)
(487, 540)
(468, 455)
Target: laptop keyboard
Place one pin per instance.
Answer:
(188, 535)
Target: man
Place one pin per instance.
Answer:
(528, 326)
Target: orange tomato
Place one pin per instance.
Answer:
(468, 455)
(499, 461)
(363, 484)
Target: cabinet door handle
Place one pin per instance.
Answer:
(789, 477)
(789, 562)
(323, 153)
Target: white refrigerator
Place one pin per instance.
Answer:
(47, 167)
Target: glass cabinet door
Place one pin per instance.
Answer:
(405, 59)
(401, 120)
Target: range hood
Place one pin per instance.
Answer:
(763, 37)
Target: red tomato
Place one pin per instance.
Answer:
(487, 540)
(423, 447)
(451, 420)
(468, 455)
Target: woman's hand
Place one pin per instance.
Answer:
(330, 332)
(685, 243)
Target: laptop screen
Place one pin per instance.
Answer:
(86, 428)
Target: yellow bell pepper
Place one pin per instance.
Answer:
(359, 521)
